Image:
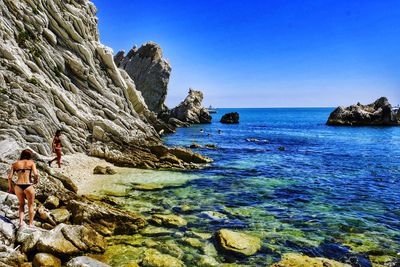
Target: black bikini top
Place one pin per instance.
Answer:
(24, 170)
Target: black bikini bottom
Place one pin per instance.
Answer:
(23, 186)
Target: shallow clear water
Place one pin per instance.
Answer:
(332, 191)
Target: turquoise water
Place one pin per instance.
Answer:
(297, 184)
(332, 192)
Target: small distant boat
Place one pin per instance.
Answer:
(211, 109)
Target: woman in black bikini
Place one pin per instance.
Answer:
(56, 148)
(24, 168)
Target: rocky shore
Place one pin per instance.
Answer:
(92, 230)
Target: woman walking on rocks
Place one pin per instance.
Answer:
(25, 169)
(56, 148)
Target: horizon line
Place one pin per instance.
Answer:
(271, 107)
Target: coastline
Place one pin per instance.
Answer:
(189, 233)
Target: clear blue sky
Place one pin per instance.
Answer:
(266, 53)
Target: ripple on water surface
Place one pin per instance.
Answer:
(332, 191)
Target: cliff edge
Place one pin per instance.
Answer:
(56, 74)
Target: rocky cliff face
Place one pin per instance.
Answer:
(55, 74)
(377, 113)
(149, 71)
(151, 75)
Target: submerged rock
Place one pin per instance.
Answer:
(169, 220)
(147, 187)
(377, 113)
(237, 243)
(298, 260)
(190, 110)
(154, 258)
(84, 261)
(230, 118)
(208, 261)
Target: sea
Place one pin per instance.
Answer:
(299, 185)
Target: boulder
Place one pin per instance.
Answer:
(45, 260)
(105, 219)
(45, 215)
(11, 257)
(230, 118)
(62, 241)
(51, 186)
(84, 261)
(378, 113)
(52, 202)
(190, 110)
(298, 260)
(104, 170)
(236, 243)
(168, 220)
(154, 258)
(149, 71)
(7, 232)
(60, 215)
(66, 181)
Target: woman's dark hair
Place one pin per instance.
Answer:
(58, 132)
(26, 154)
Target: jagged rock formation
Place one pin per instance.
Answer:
(55, 74)
(190, 110)
(151, 75)
(230, 118)
(378, 113)
(149, 71)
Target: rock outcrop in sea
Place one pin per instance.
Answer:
(150, 71)
(378, 113)
(230, 118)
(55, 74)
(190, 110)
